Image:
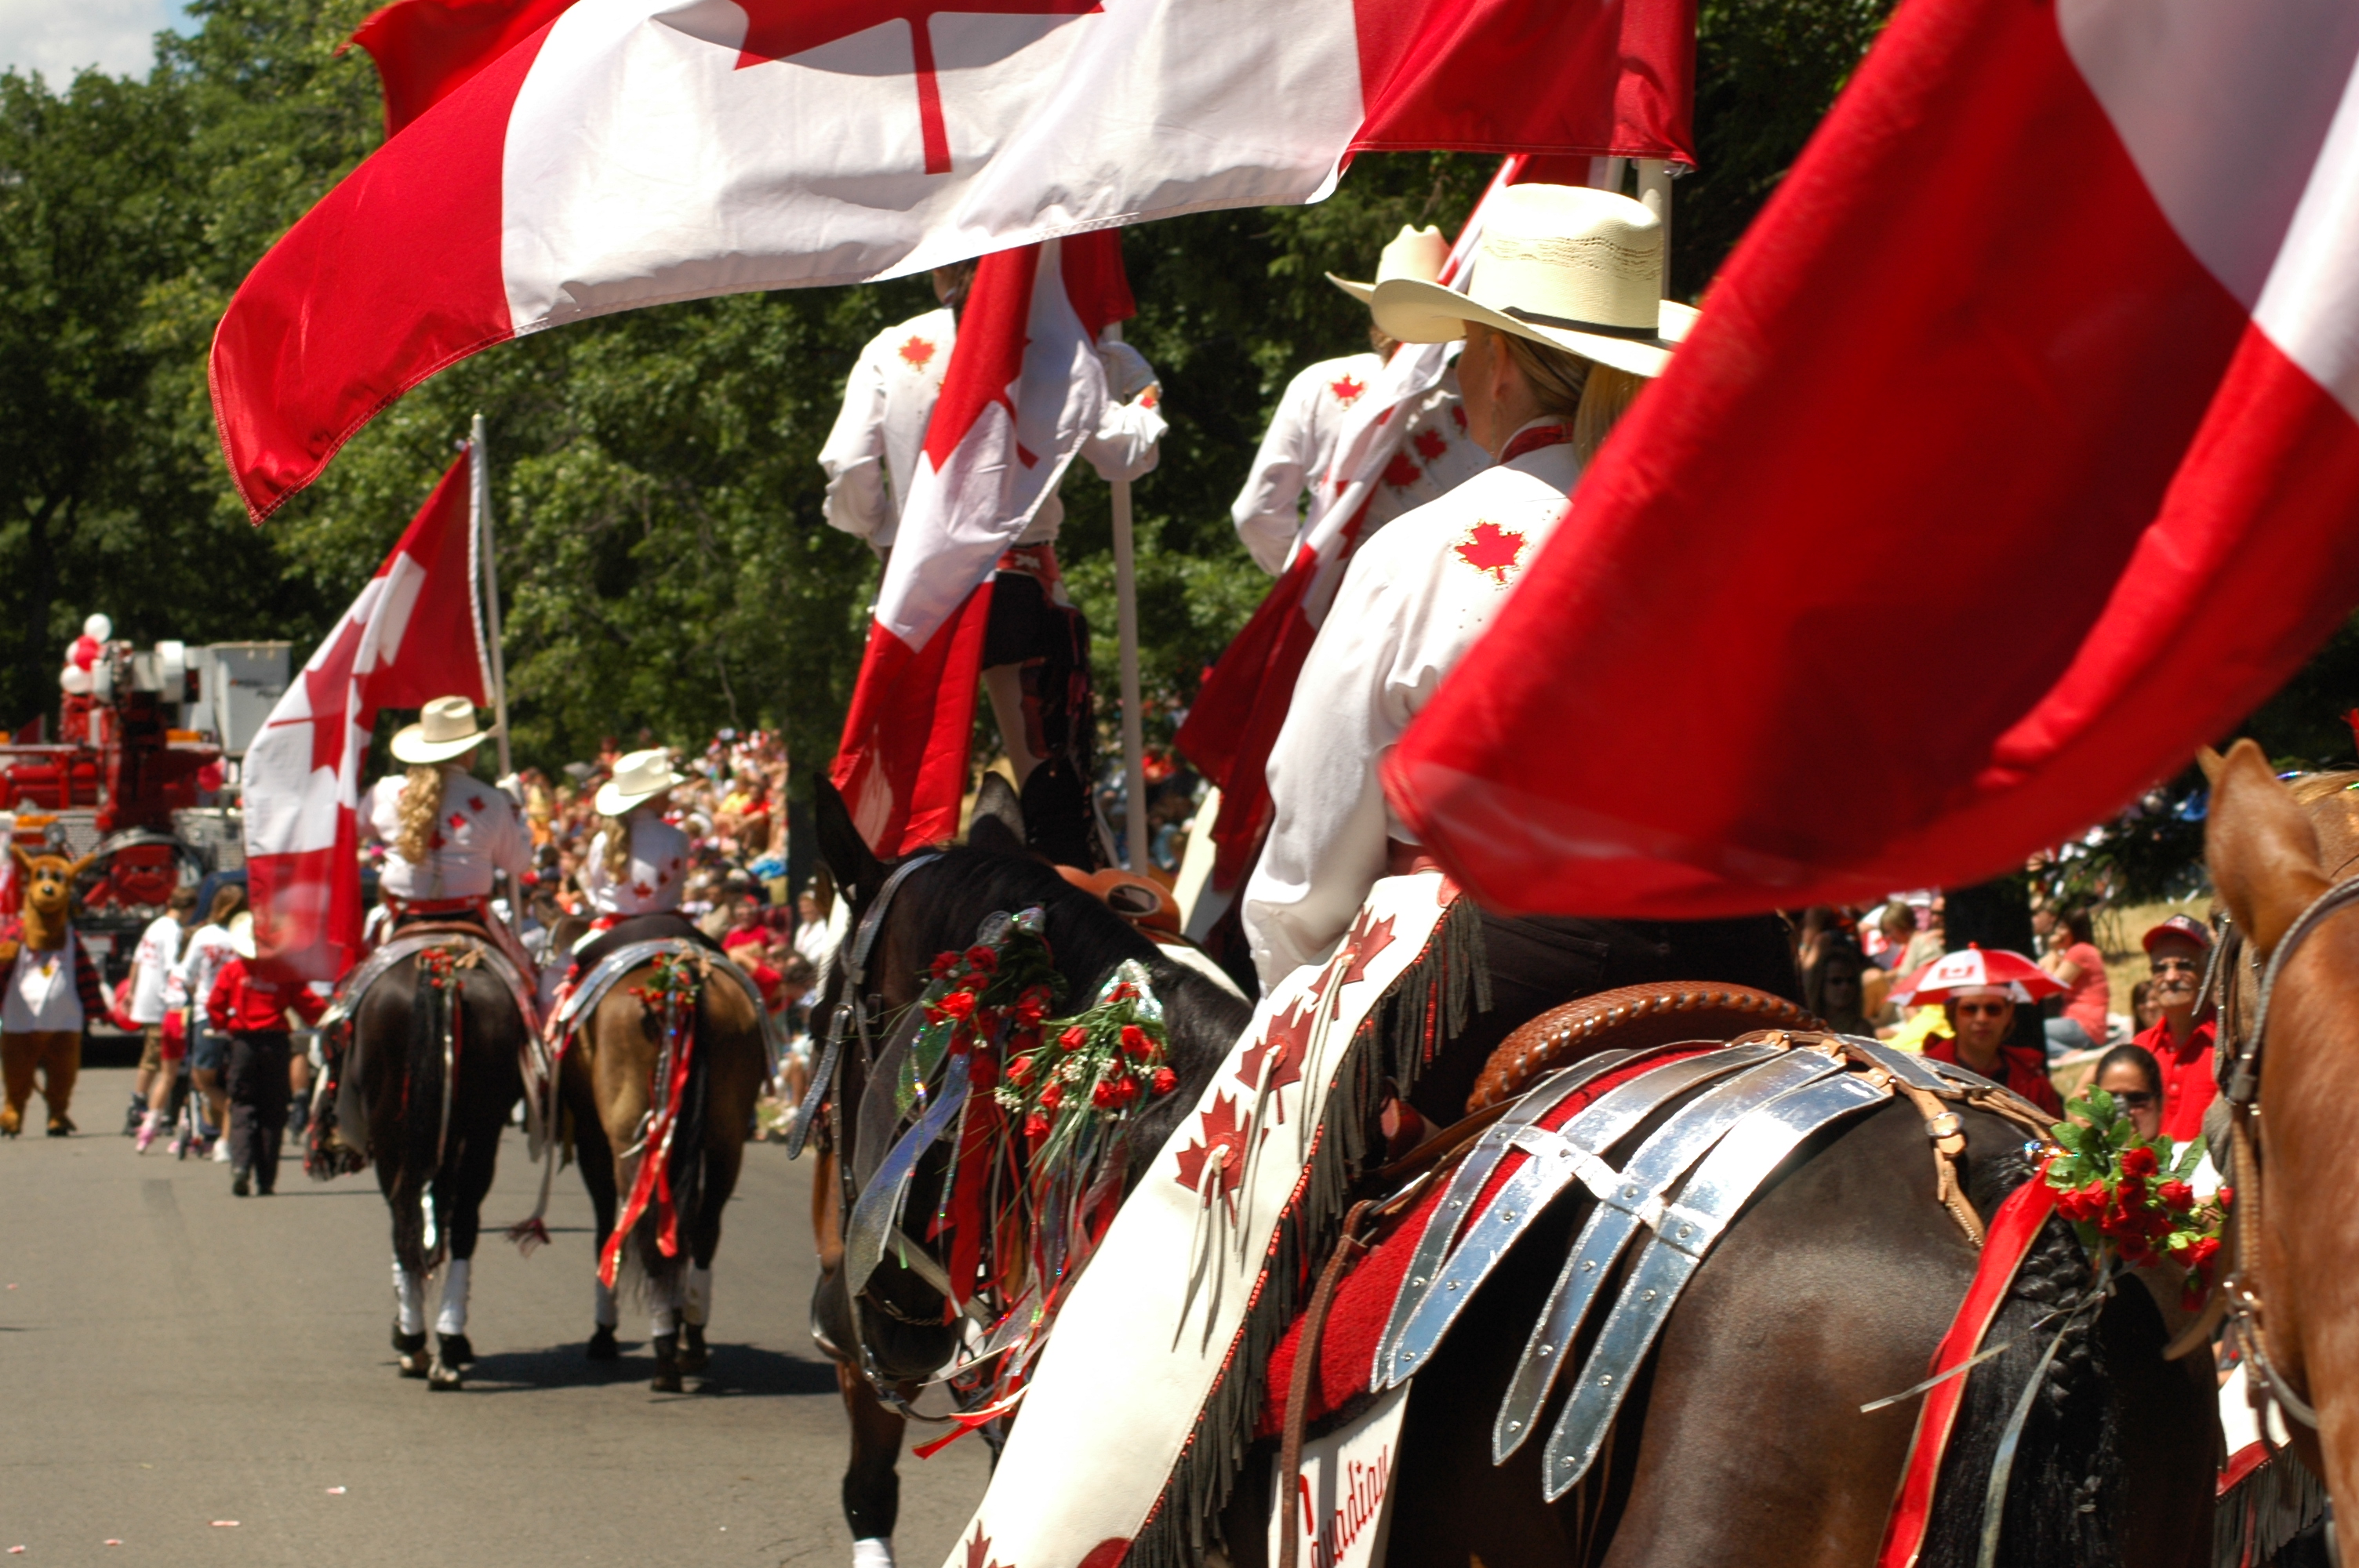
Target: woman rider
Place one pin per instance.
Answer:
(447, 834)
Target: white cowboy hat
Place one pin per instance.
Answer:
(241, 933)
(1577, 269)
(1416, 253)
(446, 727)
(642, 775)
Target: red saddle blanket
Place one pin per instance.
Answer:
(1364, 1300)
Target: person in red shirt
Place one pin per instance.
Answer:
(250, 1000)
(1981, 1018)
(2176, 953)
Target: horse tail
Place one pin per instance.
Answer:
(420, 1135)
(683, 1161)
(2067, 1486)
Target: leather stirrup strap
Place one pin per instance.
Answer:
(1348, 1249)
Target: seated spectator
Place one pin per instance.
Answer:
(2072, 957)
(2132, 1076)
(1831, 987)
(2176, 952)
(1981, 1017)
(2144, 1014)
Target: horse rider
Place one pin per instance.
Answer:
(447, 834)
(1296, 451)
(637, 866)
(1036, 655)
(1563, 325)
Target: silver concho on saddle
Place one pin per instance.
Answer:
(1727, 1117)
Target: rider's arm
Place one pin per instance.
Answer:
(1268, 509)
(854, 456)
(1125, 444)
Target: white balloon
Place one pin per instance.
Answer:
(98, 626)
(74, 680)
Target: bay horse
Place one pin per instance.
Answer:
(608, 1086)
(2274, 852)
(898, 1330)
(434, 1071)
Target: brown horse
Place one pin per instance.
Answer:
(2272, 851)
(609, 1087)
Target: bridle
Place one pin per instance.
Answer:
(2240, 1295)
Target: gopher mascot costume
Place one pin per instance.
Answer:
(53, 989)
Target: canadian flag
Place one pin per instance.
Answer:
(1237, 713)
(1024, 390)
(2016, 454)
(414, 634)
(631, 152)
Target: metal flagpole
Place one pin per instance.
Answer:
(1133, 735)
(479, 473)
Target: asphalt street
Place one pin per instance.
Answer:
(171, 1356)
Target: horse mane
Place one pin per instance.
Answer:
(2308, 788)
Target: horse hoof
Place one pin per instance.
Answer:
(455, 1351)
(414, 1363)
(693, 1355)
(604, 1347)
(441, 1376)
(411, 1350)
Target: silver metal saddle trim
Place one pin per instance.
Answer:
(1717, 1192)
(1640, 1198)
(1915, 1071)
(876, 1213)
(1473, 1172)
(1556, 1159)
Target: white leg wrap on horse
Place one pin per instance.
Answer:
(408, 1300)
(696, 1305)
(453, 1318)
(606, 1315)
(664, 1317)
(873, 1551)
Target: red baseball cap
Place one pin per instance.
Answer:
(2185, 926)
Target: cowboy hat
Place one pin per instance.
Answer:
(446, 727)
(1416, 253)
(1576, 269)
(240, 935)
(642, 775)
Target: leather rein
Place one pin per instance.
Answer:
(2238, 1294)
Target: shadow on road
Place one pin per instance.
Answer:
(740, 1370)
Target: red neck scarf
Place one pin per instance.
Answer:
(1554, 434)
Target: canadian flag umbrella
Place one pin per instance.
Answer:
(1976, 968)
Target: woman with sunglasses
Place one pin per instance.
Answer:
(2131, 1074)
(2176, 953)
(1981, 1018)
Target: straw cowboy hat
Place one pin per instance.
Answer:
(1577, 269)
(1418, 254)
(446, 727)
(642, 775)
(240, 935)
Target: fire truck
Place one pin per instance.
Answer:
(140, 775)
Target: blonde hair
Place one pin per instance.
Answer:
(1566, 386)
(1603, 401)
(617, 859)
(421, 805)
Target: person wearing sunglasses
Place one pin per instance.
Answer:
(1981, 1018)
(2132, 1076)
(2176, 953)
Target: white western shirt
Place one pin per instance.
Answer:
(151, 966)
(1413, 601)
(880, 433)
(1293, 454)
(655, 877)
(480, 833)
(208, 948)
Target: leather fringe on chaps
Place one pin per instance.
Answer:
(1425, 1008)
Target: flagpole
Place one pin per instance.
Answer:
(479, 474)
(1134, 736)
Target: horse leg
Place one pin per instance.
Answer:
(871, 1486)
(594, 1157)
(408, 1272)
(470, 1180)
(736, 1085)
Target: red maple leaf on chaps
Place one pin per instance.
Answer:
(1220, 1133)
(1284, 1045)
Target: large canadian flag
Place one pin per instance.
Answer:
(1024, 390)
(413, 634)
(1238, 714)
(2016, 454)
(632, 152)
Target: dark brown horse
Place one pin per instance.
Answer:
(895, 1334)
(434, 1072)
(2272, 851)
(609, 1087)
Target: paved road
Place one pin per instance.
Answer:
(171, 1356)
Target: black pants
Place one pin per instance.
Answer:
(1538, 962)
(258, 1093)
(1049, 643)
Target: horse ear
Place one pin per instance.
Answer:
(998, 821)
(2261, 848)
(856, 870)
(2211, 762)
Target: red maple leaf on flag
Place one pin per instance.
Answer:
(1368, 938)
(325, 691)
(1488, 548)
(1221, 1132)
(917, 352)
(1284, 1045)
(1346, 390)
(978, 1551)
(1430, 443)
(780, 29)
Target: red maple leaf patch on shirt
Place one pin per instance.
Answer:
(917, 353)
(1401, 474)
(1430, 443)
(1488, 548)
(457, 822)
(1458, 412)
(1346, 390)
(474, 803)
